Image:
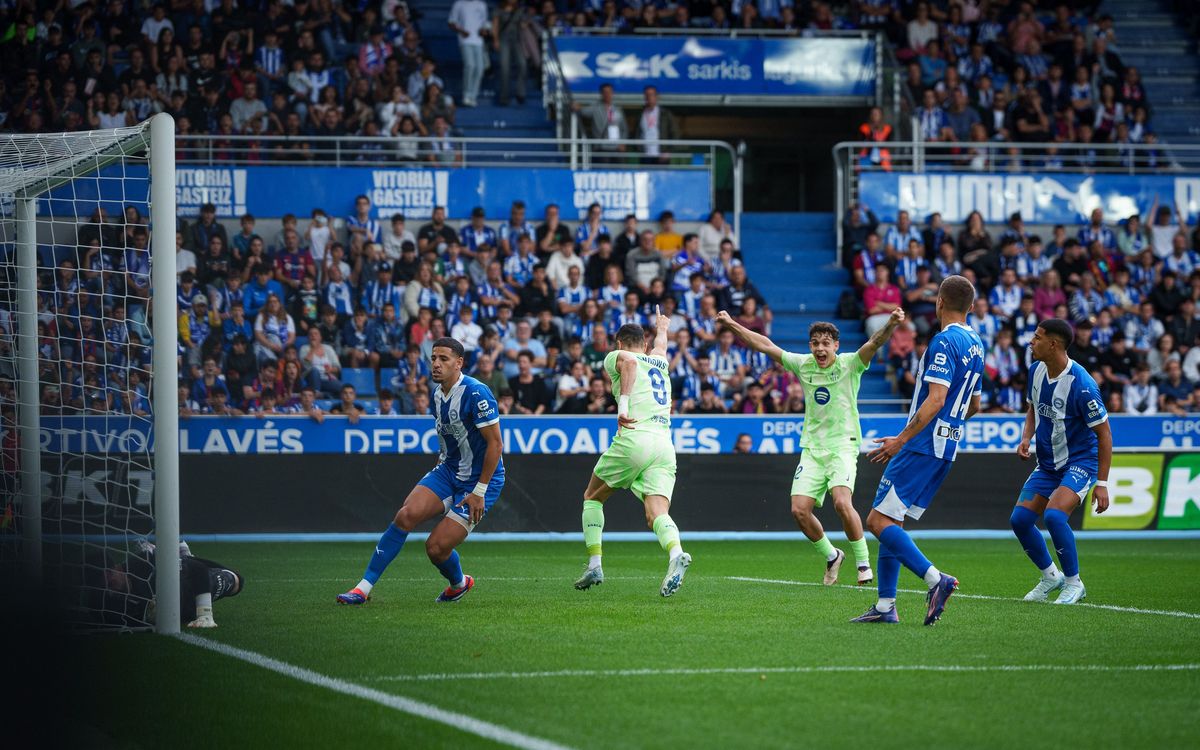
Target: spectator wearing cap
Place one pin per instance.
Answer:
(381, 291)
(477, 233)
(361, 229)
(395, 237)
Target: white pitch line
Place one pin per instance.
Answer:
(462, 722)
(1109, 607)
(820, 669)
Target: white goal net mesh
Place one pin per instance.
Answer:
(91, 197)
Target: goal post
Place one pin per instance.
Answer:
(96, 414)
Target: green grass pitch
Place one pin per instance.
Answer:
(725, 663)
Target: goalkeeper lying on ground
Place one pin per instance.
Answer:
(201, 583)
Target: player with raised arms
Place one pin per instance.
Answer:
(832, 434)
(920, 457)
(642, 455)
(1072, 441)
(462, 487)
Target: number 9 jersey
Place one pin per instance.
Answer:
(954, 359)
(650, 399)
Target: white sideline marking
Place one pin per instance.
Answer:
(449, 676)
(427, 579)
(1110, 607)
(462, 722)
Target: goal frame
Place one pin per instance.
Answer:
(161, 163)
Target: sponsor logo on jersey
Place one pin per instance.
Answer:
(948, 432)
(821, 395)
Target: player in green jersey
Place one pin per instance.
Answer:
(642, 455)
(832, 435)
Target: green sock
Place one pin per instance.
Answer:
(825, 548)
(593, 525)
(667, 532)
(862, 557)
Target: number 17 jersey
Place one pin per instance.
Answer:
(650, 398)
(954, 359)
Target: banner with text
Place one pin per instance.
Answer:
(275, 191)
(832, 67)
(542, 435)
(1041, 198)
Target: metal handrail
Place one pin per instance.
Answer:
(732, 33)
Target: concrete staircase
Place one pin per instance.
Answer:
(1150, 37)
(487, 119)
(792, 259)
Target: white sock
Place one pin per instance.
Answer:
(365, 586)
(1074, 580)
(885, 604)
(203, 605)
(932, 576)
(1051, 572)
(593, 562)
(675, 552)
(832, 555)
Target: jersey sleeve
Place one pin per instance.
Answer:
(792, 362)
(853, 363)
(939, 362)
(483, 410)
(1089, 405)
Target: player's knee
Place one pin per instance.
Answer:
(437, 549)
(876, 524)
(843, 505)
(1020, 518)
(801, 512)
(404, 520)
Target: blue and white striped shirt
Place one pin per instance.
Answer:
(1065, 410)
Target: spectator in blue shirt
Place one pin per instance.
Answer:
(361, 227)
(476, 233)
(387, 337)
(588, 235)
(255, 295)
(1096, 230)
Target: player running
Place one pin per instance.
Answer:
(920, 457)
(462, 487)
(1073, 444)
(832, 434)
(642, 455)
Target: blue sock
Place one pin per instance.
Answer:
(902, 546)
(1064, 540)
(1024, 525)
(450, 569)
(389, 546)
(888, 570)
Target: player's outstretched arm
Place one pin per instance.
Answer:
(868, 350)
(933, 403)
(1104, 450)
(755, 341)
(661, 326)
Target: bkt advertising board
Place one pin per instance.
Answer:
(841, 67)
(275, 191)
(1041, 198)
(543, 435)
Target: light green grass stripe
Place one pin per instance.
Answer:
(817, 669)
(462, 722)
(958, 595)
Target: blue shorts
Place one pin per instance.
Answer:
(441, 480)
(1076, 477)
(909, 483)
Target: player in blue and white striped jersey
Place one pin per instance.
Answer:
(462, 487)
(919, 458)
(1068, 426)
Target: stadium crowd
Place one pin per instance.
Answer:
(1131, 291)
(1000, 72)
(251, 67)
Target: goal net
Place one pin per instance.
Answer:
(88, 371)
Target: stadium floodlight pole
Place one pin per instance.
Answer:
(28, 418)
(166, 373)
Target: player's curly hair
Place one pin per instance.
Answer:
(823, 328)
